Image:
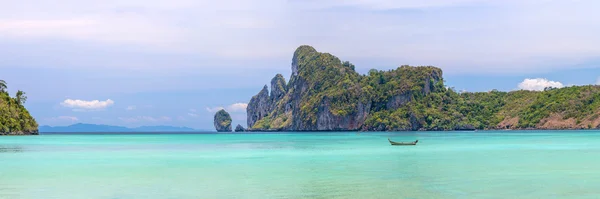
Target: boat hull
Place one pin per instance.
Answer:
(403, 143)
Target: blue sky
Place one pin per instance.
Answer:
(134, 62)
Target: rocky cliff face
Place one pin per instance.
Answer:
(323, 95)
(259, 106)
(326, 94)
(222, 121)
(278, 90)
(327, 120)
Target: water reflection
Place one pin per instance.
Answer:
(11, 149)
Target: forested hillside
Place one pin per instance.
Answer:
(14, 118)
(325, 93)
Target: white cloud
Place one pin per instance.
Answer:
(87, 105)
(514, 33)
(130, 108)
(214, 109)
(538, 84)
(144, 119)
(598, 81)
(237, 107)
(192, 112)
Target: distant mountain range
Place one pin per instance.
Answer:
(83, 128)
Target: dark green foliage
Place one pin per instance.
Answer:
(14, 118)
(447, 110)
(348, 64)
(329, 81)
(21, 98)
(576, 102)
(380, 86)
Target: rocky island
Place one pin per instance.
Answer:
(327, 94)
(239, 128)
(14, 117)
(222, 121)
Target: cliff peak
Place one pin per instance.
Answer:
(304, 49)
(258, 107)
(300, 53)
(278, 88)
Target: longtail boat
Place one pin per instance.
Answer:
(403, 143)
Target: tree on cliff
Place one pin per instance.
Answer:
(2, 86)
(21, 98)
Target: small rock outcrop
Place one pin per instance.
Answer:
(222, 121)
(239, 128)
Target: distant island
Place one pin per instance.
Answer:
(95, 128)
(14, 117)
(326, 94)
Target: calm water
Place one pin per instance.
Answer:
(516, 164)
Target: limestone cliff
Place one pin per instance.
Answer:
(326, 94)
(258, 107)
(323, 94)
(222, 121)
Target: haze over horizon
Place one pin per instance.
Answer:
(146, 63)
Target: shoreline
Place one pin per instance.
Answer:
(20, 133)
(299, 132)
(425, 130)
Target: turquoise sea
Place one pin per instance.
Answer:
(482, 164)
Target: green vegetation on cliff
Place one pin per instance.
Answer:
(574, 107)
(326, 78)
(222, 121)
(325, 93)
(14, 118)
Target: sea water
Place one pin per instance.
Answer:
(482, 164)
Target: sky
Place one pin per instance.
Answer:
(134, 63)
